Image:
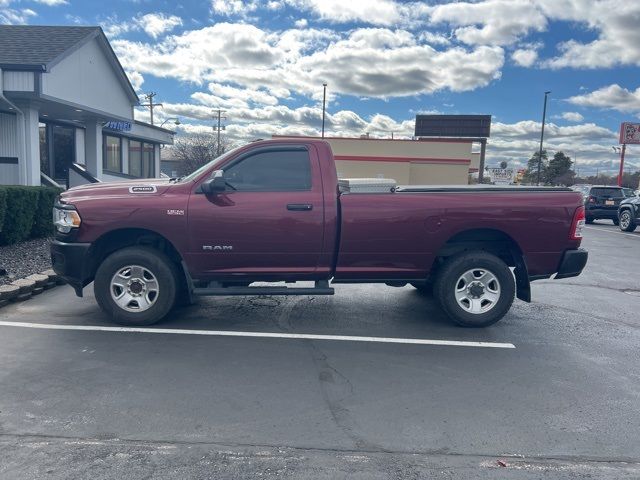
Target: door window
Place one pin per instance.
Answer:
(271, 171)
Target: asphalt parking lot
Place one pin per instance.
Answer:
(555, 393)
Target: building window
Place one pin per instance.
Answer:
(135, 158)
(112, 156)
(148, 160)
(141, 159)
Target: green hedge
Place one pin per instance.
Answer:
(25, 212)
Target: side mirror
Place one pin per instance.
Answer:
(215, 184)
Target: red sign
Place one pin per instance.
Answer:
(629, 133)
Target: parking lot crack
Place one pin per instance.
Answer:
(35, 439)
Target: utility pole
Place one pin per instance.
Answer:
(149, 96)
(219, 113)
(544, 114)
(483, 152)
(621, 173)
(324, 103)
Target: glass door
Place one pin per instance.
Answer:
(64, 152)
(57, 150)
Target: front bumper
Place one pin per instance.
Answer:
(572, 263)
(69, 261)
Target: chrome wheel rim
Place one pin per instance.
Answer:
(477, 291)
(625, 219)
(134, 288)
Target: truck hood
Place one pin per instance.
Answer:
(129, 188)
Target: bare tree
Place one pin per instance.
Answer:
(195, 150)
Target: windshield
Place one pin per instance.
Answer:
(192, 176)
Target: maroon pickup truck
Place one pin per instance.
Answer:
(272, 211)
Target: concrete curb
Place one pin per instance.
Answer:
(24, 288)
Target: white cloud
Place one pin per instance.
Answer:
(14, 16)
(374, 12)
(156, 24)
(613, 97)
(524, 57)
(572, 116)
(614, 23)
(52, 3)
(365, 62)
(490, 22)
(136, 80)
(514, 143)
(505, 22)
(301, 23)
(233, 7)
(114, 28)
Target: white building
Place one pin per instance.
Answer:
(66, 103)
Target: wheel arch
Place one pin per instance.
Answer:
(490, 240)
(121, 238)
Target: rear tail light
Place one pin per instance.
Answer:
(577, 225)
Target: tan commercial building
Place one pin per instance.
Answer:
(434, 161)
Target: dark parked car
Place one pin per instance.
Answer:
(603, 202)
(629, 214)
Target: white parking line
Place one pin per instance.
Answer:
(222, 333)
(634, 235)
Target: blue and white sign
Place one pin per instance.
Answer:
(121, 126)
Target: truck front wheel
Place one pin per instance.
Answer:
(136, 286)
(475, 289)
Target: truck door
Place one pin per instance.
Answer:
(269, 221)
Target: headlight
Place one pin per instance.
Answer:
(65, 219)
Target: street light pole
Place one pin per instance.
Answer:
(544, 114)
(176, 121)
(324, 103)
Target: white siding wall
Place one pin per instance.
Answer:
(80, 146)
(9, 173)
(8, 136)
(87, 78)
(18, 81)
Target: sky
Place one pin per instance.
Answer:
(384, 61)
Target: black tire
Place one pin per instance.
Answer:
(627, 223)
(425, 288)
(151, 261)
(447, 282)
(589, 220)
(615, 221)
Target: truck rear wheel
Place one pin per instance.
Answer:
(136, 286)
(475, 289)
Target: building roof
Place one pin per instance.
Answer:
(35, 47)
(40, 47)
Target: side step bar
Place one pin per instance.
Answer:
(215, 288)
